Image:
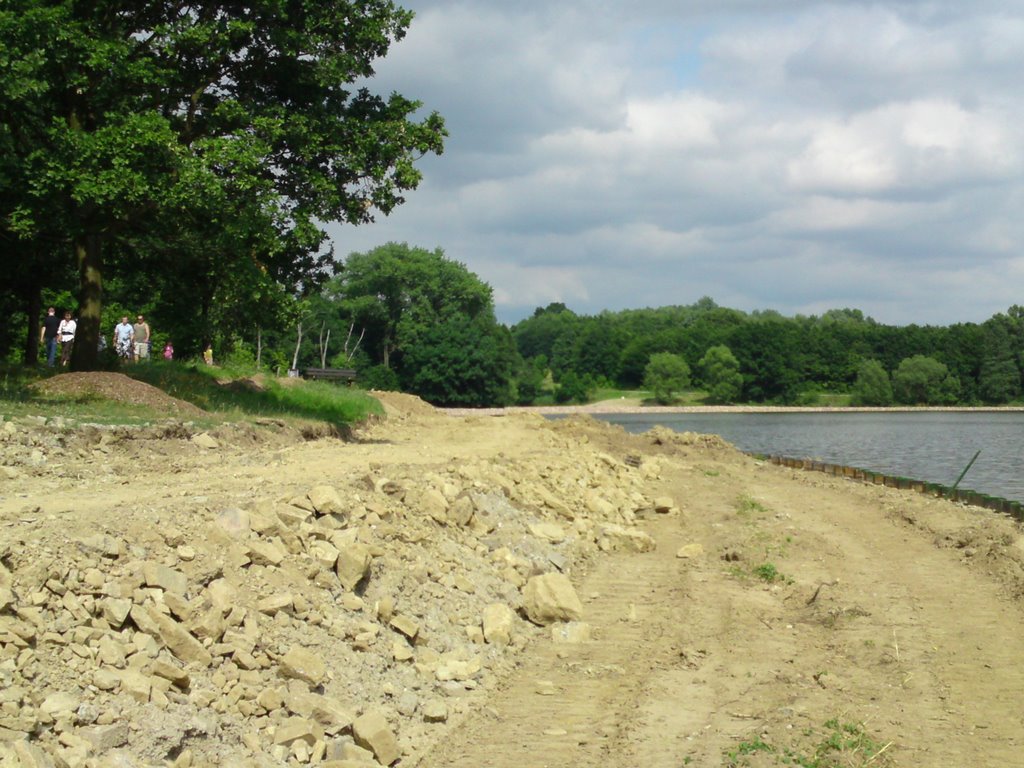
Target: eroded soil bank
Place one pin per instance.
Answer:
(253, 598)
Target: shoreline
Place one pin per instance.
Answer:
(614, 407)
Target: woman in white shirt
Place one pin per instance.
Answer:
(66, 335)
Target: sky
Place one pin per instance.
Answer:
(794, 155)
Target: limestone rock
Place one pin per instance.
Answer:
(571, 632)
(617, 538)
(550, 598)
(498, 621)
(233, 521)
(165, 577)
(326, 500)
(435, 711)
(302, 664)
(267, 552)
(205, 440)
(663, 505)
(180, 641)
(548, 531)
(690, 551)
(353, 564)
(371, 731)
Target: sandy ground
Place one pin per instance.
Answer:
(890, 632)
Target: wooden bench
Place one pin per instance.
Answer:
(331, 374)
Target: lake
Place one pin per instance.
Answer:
(933, 446)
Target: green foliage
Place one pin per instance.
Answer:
(665, 374)
(573, 388)
(720, 371)
(922, 380)
(432, 321)
(767, 572)
(380, 378)
(872, 386)
(201, 386)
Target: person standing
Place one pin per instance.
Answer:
(141, 330)
(66, 332)
(122, 342)
(168, 350)
(48, 335)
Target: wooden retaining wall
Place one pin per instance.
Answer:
(965, 495)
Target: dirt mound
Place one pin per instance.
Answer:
(399, 404)
(117, 387)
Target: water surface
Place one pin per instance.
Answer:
(928, 445)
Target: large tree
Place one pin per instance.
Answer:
(431, 320)
(120, 114)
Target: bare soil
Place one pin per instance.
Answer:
(805, 606)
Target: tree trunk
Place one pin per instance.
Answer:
(89, 255)
(33, 307)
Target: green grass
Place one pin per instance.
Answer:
(767, 572)
(210, 388)
(840, 744)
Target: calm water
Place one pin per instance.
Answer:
(929, 446)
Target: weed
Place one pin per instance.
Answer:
(711, 473)
(841, 744)
(747, 506)
(744, 748)
(768, 573)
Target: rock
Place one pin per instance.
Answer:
(235, 522)
(550, 598)
(597, 505)
(435, 711)
(617, 538)
(432, 502)
(298, 729)
(325, 553)
(180, 641)
(302, 664)
(663, 505)
(371, 731)
(175, 675)
(690, 551)
(326, 500)
(275, 603)
(61, 704)
(571, 632)
(548, 531)
(553, 502)
(498, 621)
(164, 577)
(205, 440)
(115, 610)
(405, 626)
(267, 553)
(103, 738)
(101, 544)
(353, 564)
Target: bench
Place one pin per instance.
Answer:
(331, 374)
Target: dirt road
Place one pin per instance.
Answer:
(894, 622)
(810, 621)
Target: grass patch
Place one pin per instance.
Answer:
(768, 573)
(747, 506)
(839, 744)
(209, 388)
(260, 396)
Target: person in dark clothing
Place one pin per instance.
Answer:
(48, 335)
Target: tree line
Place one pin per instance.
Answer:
(764, 357)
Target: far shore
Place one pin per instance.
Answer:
(630, 406)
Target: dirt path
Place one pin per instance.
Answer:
(815, 621)
(871, 626)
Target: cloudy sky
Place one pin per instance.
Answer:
(794, 155)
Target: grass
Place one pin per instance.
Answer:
(840, 744)
(210, 388)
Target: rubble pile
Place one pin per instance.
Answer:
(342, 626)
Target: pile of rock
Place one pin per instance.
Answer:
(339, 627)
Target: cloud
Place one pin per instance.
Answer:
(796, 157)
